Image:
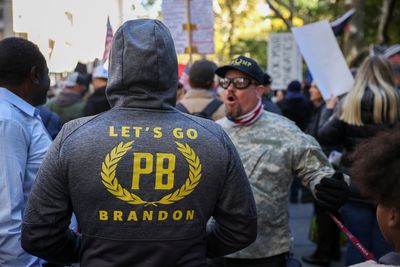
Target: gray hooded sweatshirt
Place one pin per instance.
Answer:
(143, 179)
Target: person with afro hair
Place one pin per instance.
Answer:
(377, 173)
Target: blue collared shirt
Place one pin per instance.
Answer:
(23, 144)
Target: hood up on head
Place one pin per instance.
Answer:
(143, 68)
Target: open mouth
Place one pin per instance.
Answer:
(230, 99)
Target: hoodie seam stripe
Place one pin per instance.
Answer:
(122, 57)
(158, 63)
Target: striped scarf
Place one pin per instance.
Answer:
(248, 118)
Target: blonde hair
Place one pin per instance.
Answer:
(376, 74)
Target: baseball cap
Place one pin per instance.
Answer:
(100, 72)
(247, 66)
(73, 79)
(267, 79)
(202, 72)
(391, 51)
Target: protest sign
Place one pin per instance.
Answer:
(201, 19)
(324, 58)
(284, 60)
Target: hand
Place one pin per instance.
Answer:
(331, 103)
(332, 192)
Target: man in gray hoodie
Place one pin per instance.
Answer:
(143, 179)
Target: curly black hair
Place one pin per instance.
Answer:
(376, 168)
(17, 57)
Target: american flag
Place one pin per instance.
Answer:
(107, 45)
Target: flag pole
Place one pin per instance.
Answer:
(189, 30)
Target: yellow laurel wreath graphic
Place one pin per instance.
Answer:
(191, 182)
(108, 169)
(109, 180)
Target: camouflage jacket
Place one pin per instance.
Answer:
(273, 150)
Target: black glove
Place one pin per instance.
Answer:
(332, 192)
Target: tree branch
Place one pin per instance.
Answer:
(281, 3)
(231, 29)
(279, 14)
(386, 17)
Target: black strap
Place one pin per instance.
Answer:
(212, 107)
(206, 112)
(181, 107)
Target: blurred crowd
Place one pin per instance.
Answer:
(295, 146)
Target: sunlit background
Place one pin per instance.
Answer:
(68, 31)
(71, 31)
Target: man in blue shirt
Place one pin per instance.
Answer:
(24, 82)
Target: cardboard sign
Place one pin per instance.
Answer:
(324, 58)
(201, 16)
(284, 60)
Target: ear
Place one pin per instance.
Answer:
(394, 218)
(261, 90)
(35, 75)
(214, 85)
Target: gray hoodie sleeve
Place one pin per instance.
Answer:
(45, 231)
(234, 223)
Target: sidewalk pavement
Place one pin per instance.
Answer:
(299, 221)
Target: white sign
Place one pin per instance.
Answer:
(74, 34)
(201, 15)
(324, 58)
(174, 12)
(284, 60)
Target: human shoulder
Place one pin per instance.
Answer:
(72, 127)
(12, 116)
(98, 95)
(208, 124)
(5, 110)
(15, 133)
(219, 113)
(51, 103)
(369, 263)
(223, 122)
(267, 115)
(277, 122)
(391, 259)
(211, 127)
(79, 104)
(198, 93)
(196, 100)
(276, 127)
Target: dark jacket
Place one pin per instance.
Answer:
(315, 120)
(68, 105)
(270, 106)
(51, 121)
(319, 116)
(142, 178)
(296, 108)
(97, 102)
(336, 132)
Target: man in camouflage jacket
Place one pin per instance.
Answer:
(273, 150)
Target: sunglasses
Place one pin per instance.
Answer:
(238, 82)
